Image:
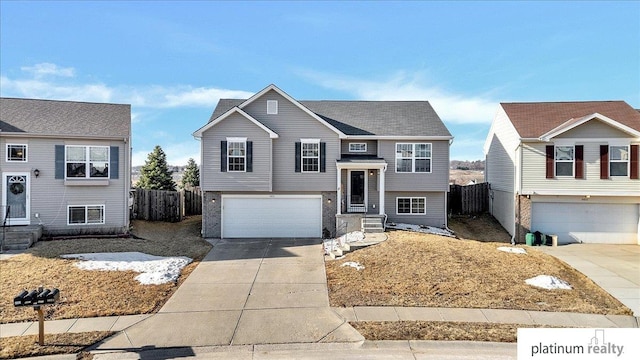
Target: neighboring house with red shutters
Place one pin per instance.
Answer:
(273, 166)
(566, 168)
(65, 166)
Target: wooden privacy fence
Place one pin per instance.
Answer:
(469, 199)
(164, 205)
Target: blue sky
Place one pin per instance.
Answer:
(173, 60)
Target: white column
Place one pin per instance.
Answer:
(381, 190)
(339, 192)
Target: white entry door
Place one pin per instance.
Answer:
(15, 198)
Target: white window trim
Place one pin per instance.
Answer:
(411, 205)
(86, 210)
(26, 150)
(414, 158)
(364, 150)
(628, 161)
(302, 156)
(272, 107)
(87, 162)
(573, 161)
(237, 140)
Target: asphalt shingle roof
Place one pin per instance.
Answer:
(532, 120)
(53, 117)
(376, 118)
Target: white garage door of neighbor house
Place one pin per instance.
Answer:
(587, 223)
(270, 217)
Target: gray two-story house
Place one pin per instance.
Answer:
(65, 166)
(273, 166)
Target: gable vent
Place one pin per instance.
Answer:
(272, 107)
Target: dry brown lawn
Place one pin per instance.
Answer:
(69, 343)
(479, 227)
(412, 269)
(444, 331)
(98, 293)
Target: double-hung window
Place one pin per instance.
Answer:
(16, 152)
(86, 161)
(236, 155)
(564, 160)
(619, 160)
(310, 155)
(411, 205)
(413, 157)
(85, 214)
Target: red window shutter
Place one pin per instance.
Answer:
(634, 162)
(550, 158)
(579, 170)
(604, 161)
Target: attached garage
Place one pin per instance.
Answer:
(587, 222)
(272, 216)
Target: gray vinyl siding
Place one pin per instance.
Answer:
(236, 125)
(437, 180)
(50, 197)
(501, 155)
(372, 147)
(435, 207)
(534, 172)
(593, 129)
(292, 124)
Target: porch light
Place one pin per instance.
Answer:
(370, 172)
(36, 172)
(329, 201)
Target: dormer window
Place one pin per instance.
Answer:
(272, 107)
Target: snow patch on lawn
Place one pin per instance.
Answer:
(348, 238)
(154, 270)
(421, 229)
(353, 264)
(513, 250)
(548, 282)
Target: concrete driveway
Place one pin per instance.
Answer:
(616, 268)
(255, 291)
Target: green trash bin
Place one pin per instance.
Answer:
(530, 238)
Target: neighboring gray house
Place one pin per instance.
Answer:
(566, 168)
(65, 165)
(273, 166)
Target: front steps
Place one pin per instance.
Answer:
(372, 224)
(370, 239)
(19, 237)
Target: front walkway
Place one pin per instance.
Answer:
(615, 268)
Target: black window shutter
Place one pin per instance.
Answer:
(323, 157)
(298, 156)
(604, 161)
(249, 156)
(59, 173)
(550, 161)
(634, 162)
(579, 170)
(223, 156)
(114, 160)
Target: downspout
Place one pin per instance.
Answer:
(127, 183)
(446, 208)
(518, 188)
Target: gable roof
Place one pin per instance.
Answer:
(533, 120)
(574, 123)
(368, 118)
(64, 118)
(234, 110)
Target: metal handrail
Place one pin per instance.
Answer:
(4, 227)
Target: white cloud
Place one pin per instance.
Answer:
(48, 69)
(454, 108)
(150, 96)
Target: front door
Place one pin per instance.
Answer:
(15, 198)
(357, 191)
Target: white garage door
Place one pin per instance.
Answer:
(277, 216)
(587, 223)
